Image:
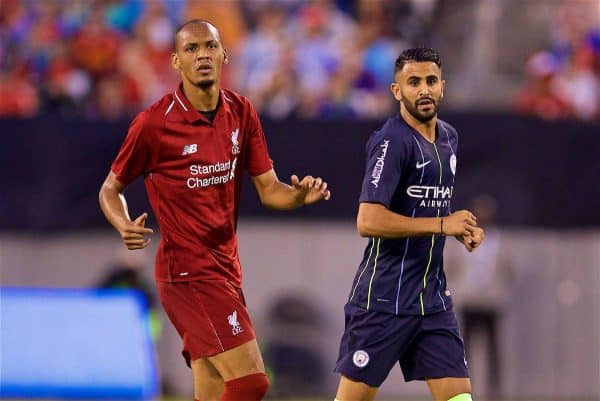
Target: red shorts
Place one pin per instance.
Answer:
(210, 316)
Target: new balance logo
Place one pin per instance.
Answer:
(235, 325)
(189, 149)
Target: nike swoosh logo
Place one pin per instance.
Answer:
(421, 165)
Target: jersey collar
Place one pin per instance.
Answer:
(191, 114)
(414, 131)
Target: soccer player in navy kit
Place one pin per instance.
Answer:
(399, 309)
(192, 147)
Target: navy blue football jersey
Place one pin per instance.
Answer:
(413, 177)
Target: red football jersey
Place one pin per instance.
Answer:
(192, 170)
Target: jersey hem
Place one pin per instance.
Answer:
(416, 311)
(194, 279)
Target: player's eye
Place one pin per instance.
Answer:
(432, 81)
(413, 82)
(212, 46)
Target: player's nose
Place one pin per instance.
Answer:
(424, 91)
(202, 55)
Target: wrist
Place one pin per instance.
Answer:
(121, 225)
(299, 201)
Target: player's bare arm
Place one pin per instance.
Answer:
(275, 194)
(114, 207)
(376, 220)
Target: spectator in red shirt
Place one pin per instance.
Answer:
(96, 46)
(539, 97)
(192, 147)
(18, 97)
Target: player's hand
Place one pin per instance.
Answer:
(460, 223)
(133, 233)
(310, 189)
(473, 240)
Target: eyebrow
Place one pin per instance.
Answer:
(194, 42)
(418, 77)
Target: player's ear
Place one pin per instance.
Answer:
(175, 61)
(443, 86)
(225, 56)
(395, 89)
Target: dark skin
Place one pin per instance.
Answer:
(199, 56)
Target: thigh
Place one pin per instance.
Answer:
(445, 388)
(240, 361)
(438, 352)
(350, 390)
(210, 316)
(208, 383)
(372, 344)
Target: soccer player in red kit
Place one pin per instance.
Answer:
(192, 147)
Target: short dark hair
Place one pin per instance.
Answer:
(417, 54)
(196, 21)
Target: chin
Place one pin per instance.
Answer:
(205, 83)
(426, 117)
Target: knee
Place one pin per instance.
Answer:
(248, 388)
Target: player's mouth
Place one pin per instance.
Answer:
(204, 68)
(425, 102)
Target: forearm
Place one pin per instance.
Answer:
(377, 221)
(280, 196)
(114, 207)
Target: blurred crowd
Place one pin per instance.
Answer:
(109, 59)
(564, 79)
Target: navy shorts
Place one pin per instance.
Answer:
(427, 347)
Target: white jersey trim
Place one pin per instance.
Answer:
(170, 107)
(180, 102)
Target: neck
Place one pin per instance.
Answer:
(203, 99)
(427, 128)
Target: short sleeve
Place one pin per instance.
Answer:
(383, 170)
(135, 153)
(257, 154)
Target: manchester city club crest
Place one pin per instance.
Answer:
(360, 358)
(453, 164)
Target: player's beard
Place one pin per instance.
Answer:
(205, 83)
(413, 109)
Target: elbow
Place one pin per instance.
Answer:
(364, 228)
(106, 191)
(101, 194)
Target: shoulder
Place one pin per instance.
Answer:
(154, 115)
(447, 128)
(239, 103)
(393, 130)
(148, 124)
